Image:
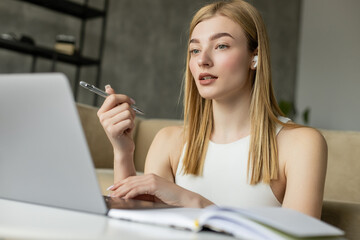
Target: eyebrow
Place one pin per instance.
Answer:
(213, 37)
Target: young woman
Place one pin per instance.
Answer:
(235, 148)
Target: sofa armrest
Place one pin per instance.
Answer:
(344, 215)
(98, 143)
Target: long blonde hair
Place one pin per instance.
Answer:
(264, 110)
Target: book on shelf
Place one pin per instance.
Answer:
(65, 48)
(252, 223)
(65, 44)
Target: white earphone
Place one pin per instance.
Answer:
(255, 59)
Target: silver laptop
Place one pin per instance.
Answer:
(44, 157)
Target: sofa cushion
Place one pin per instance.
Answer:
(343, 215)
(342, 177)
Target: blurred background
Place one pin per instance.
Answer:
(139, 48)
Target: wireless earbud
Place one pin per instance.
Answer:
(255, 60)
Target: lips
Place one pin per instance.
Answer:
(206, 76)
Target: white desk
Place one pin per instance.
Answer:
(22, 220)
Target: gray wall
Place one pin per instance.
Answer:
(145, 46)
(329, 67)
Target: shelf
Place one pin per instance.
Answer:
(48, 53)
(69, 7)
(83, 12)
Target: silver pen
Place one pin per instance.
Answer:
(101, 93)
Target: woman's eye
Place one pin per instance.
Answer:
(194, 51)
(222, 46)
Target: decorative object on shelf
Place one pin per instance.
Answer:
(13, 37)
(27, 40)
(65, 44)
(9, 36)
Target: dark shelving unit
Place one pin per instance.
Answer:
(47, 53)
(84, 13)
(70, 8)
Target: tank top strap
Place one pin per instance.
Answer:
(279, 126)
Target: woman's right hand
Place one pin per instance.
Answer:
(117, 118)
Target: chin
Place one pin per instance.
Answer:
(208, 96)
(211, 93)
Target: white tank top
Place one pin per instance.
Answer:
(224, 179)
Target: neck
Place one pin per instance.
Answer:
(231, 118)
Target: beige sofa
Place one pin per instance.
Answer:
(342, 190)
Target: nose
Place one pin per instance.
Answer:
(205, 59)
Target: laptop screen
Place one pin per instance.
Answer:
(44, 157)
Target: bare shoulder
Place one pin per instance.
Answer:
(171, 135)
(302, 145)
(165, 151)
(173, 138)
(300, 137)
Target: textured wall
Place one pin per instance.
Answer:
(329, 66)
(145, 47)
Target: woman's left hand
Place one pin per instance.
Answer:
(161, 188)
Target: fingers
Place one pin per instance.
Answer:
(125, 107)
(118, 120)
(161, 190)
(114, 100)
(136, 191)
(134, 186)
(109, 89)
(116, 114)
(120, 128)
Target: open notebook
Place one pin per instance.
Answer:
(253, 223)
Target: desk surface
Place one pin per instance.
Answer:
(22, 220)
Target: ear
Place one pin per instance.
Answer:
(255, 59)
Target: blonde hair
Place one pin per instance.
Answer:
(264, 110)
